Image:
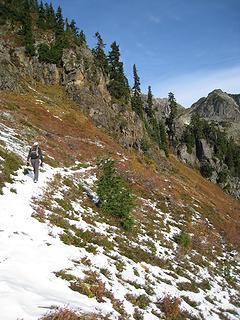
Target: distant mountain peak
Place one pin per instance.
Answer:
(218, 106)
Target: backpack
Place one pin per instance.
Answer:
(34, 153)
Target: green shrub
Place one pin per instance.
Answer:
(222, 176)
(66, 205)
(10, 165)
(115, 197)
(206, 169)
(183, 239)
(141, 301)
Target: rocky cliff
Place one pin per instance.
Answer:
(218, 106)
(82, 80)
(223, 111)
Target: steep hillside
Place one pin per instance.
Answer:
(58, 247)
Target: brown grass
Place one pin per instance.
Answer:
(67, 314)
(170, 306)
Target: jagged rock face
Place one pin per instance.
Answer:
(236, 98)
(188, 158)
(88, 87)
(17, 70)
(10, 77)
(203, 153)
(218, 106)
(84, 83)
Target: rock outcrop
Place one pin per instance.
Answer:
(202, 157)
(83, 81)
(218, 106)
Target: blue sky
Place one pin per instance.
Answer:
(188, 47)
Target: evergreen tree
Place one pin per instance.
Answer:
(67, 26)
(136, 100)
(50, 16)
(41, 22)
(172, 116)
(118, 86)
(61, 39)
(27, 30)
(99, 54)
(73, 28)
(149, 107)
(115, 196)
(81, 39)
(59, 23)
(33, 4)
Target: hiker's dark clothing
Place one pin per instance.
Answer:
(35, 155)
(35, 164)
(35, 152)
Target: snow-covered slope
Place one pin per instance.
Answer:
(57, 248)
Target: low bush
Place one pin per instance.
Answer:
(183, 239)
(67, 314)
(11, 163)
(141, 301)
(170, 306)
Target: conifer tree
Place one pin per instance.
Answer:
(170, 121)
(81, 39)
(59, 23)
(50, 16)
(99, 54)
(73, 28)
(116, 198)
(67, 26)
(33, 4)
(41, 16)
(149, 107)
(136, 101)
(27, 30)
(118, 86)
(61, 40)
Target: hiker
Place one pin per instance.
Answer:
(35, 155)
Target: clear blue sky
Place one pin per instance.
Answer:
(188, 47)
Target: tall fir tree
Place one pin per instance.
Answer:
(50, 16)
(27, 30)
(73, 28)
(41, 22)
(136, 101)
(149, 108)
(82, 41)
(33, 4)
(118, 85)
(59, 23)
(67, 26)
(99, 54)
(170, 121)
